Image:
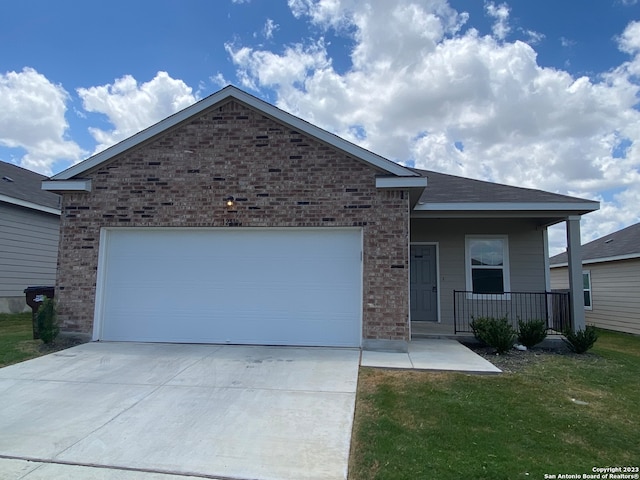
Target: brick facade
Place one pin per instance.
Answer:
(278, 177)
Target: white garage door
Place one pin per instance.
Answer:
(239, 286)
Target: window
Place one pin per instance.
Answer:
(586, 287)
(487, 260)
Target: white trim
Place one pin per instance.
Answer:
(27, 204)
(547, 270)
(400, 182)
(559, 265)
(506, 268)
(587, 272)
(101, 276)
(508, 206)
(437, 245)
(545, 250)
(67, 186)
(254, 102)
(628, 256)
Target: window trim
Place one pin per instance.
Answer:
(590, 289)
(506, 277)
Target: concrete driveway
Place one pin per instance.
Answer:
(151, 411)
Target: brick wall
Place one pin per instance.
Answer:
(278, 177)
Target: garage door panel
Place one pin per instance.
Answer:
(281, 328)
(263, 286)
(185, 296)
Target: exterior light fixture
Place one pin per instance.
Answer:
(229, 201)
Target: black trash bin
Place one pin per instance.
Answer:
(34, 297)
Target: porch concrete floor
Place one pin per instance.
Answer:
(431, 354)
(434, 329)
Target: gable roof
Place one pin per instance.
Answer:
(449, 193)
(452, 193)
(231, 92)
(621, 245)
(22, 187)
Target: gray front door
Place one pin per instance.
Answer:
(424, 283)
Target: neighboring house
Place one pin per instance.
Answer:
(235, 222)
(611, 280)
(29, 233)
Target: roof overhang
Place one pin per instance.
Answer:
(401, 182)
(265, 108)
(79, 185)
(545, 214)
(629, 256)
(31, 205)
(577, 208)
(415, 186)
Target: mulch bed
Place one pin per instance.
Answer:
(517, 360)
(62, 342)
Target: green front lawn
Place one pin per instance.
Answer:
(562, 415)
(16, 338)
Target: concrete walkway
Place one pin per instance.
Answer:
(111, 411)
(431, 354)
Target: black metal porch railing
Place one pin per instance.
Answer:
(552, 307)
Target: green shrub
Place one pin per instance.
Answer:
(479, 326)
(582, 340)
(532, 332)
(495, 332)
(47, 320)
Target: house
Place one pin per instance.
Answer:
(611, 280)
(233, 221)
(29, 233)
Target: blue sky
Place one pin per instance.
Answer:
(538, 94)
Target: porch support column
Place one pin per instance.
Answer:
(575, 272)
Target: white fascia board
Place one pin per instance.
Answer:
(509, 206)
(558, 265)
(629, 256)
(401, 182)
(66, 185)
(260, 105)
(31, 205)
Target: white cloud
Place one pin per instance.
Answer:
(261, 67)
(131, 107)
(219, 80)
(32, 117)
(629, 41)
(533, 37)
(417, 85)
(269, 28)
(500, 13)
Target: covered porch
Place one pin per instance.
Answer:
(481, 249)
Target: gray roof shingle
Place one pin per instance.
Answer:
(444, 188)
(616, 244)
(22, 184)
